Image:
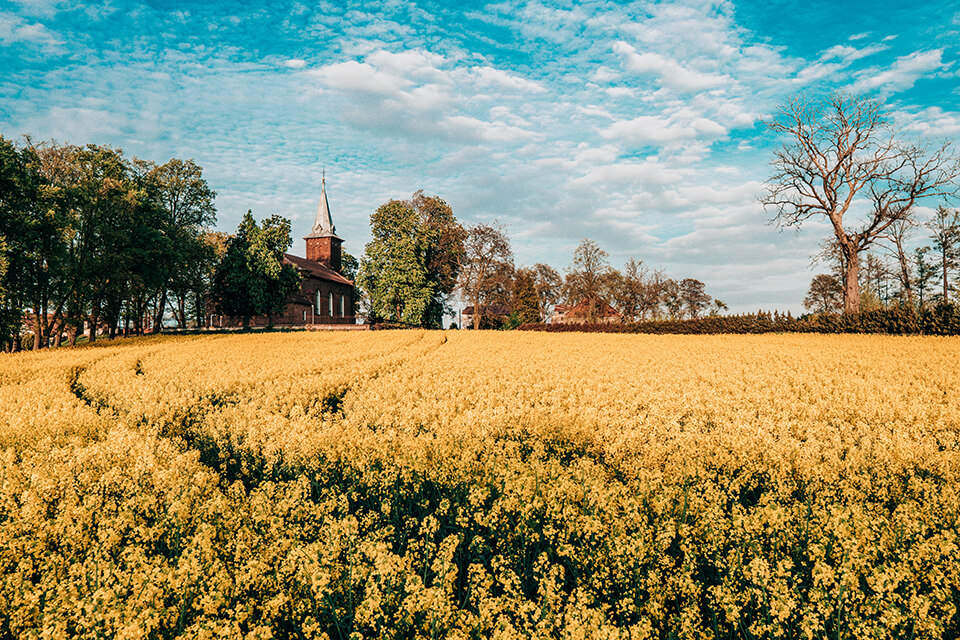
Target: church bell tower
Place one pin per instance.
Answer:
(323, 245)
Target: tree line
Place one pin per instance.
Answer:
(900, 269)
(91, 239)
(421, 259)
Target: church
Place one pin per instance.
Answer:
(326, 296)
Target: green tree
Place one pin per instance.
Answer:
(22, 225)
(392, 273)
(525, 304)
(252, 279)
(185, 203)
(411, 266)
(442, 240)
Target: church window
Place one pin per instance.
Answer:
(317, 305)
(341, 306)
(330, 304)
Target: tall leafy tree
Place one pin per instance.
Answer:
(252, 279)
(23, 223)
(442, 240)
(185, 202)
(392, 272)
(411, 265)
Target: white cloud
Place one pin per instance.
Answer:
(295, 63)
(14, 29)
(619, 92)
(668, 72)
(904, 72)
(932, 122)
(491, 77)
(659, 130)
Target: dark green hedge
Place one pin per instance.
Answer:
(943, 319)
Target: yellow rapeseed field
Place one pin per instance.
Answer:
(415, 484)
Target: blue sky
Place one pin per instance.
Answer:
(638, 125)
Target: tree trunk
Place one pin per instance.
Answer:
(476, 314)
(905, 279)
(158, 323)
(946, 284)
(851, 279)
(246, 323)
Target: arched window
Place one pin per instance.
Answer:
(341, 306)
(330, 304)
(317, 305)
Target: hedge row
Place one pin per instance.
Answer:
(944, 319)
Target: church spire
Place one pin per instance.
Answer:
(323, 223)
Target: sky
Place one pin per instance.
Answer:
(638, 125)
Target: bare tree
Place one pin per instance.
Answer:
(842, 156)
(629, 289)
(874, 281)
(694, 296)
(653, 295)
(486, 268)
(549, 285)
(926, 273)
(945, 232)
(894, 241)
(588, 278)
(825, 294)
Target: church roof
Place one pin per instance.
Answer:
(323, 223)
(315, 269)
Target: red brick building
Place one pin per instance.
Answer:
(326, 296)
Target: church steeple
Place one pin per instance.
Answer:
(323, 245)
(323, 223)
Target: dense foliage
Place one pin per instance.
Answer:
(252, 278)
(371, 486)
(941, 320)
(91, 238)
(412, 264)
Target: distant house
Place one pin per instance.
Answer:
(493, 314)
(585, 311)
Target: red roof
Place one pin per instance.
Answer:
(315, 269)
